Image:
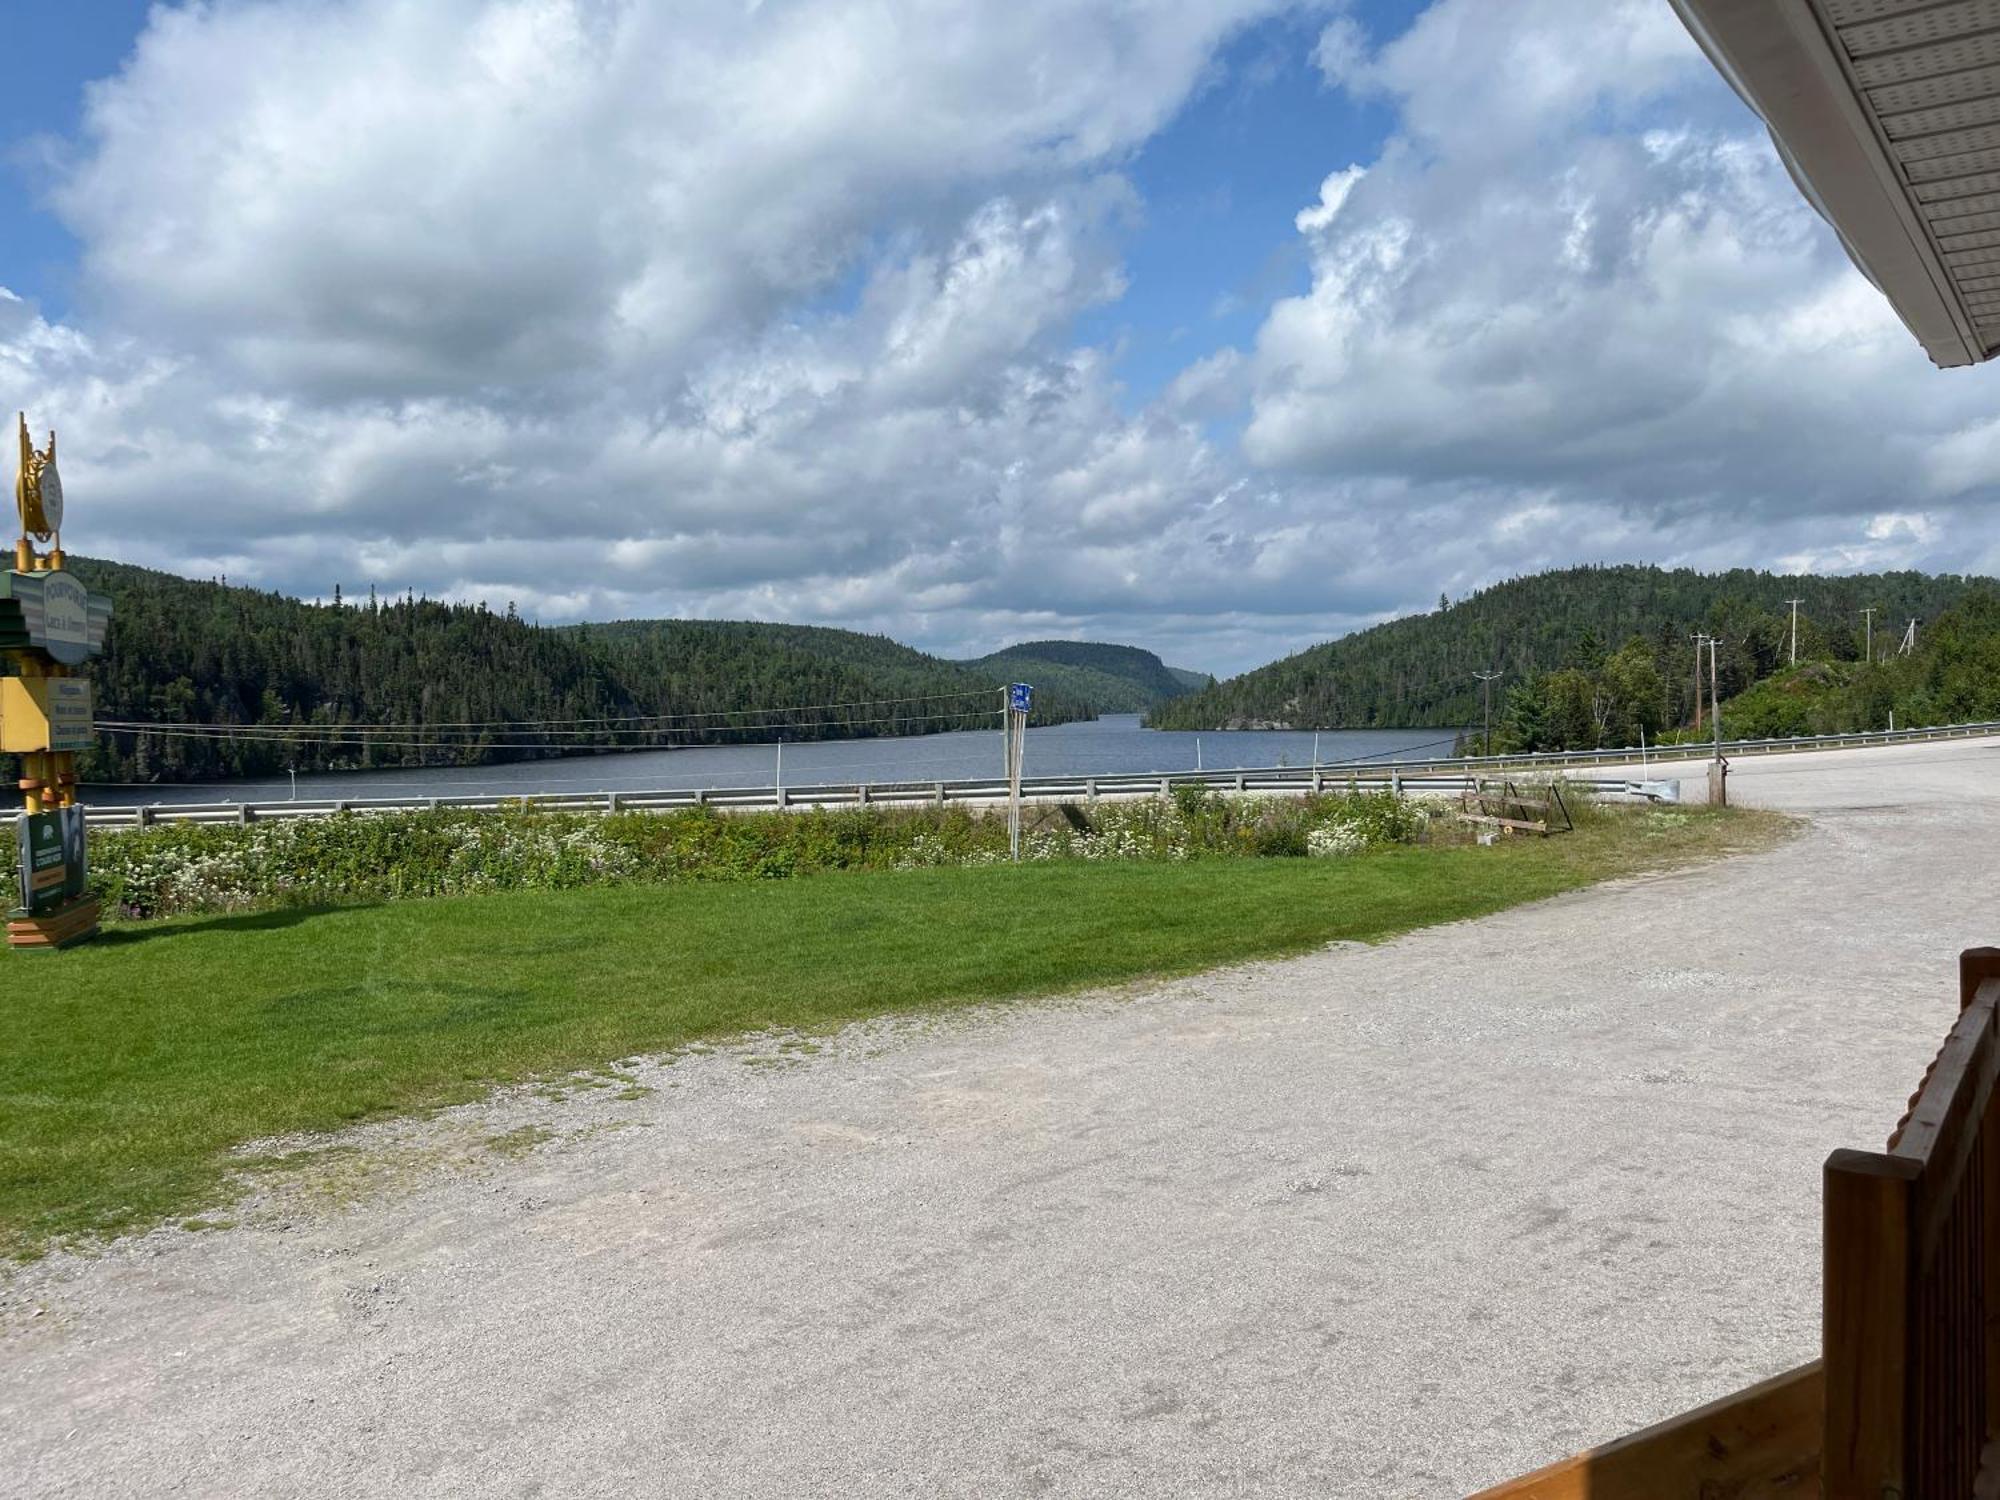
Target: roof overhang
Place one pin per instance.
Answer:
(1887, 113)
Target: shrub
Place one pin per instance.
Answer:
(181, 868)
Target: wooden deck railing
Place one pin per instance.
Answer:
(1905, 1403)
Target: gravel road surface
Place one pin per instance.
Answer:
(1383, 1222)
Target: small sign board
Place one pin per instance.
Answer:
(52, 859)
(45, 713)
(1019, 695)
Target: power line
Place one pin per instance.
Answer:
(634, 719)
(251, 734)
(308, 733)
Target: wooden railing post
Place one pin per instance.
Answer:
(1871, 1248)
(1975, 967)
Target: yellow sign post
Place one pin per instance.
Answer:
(50, 625)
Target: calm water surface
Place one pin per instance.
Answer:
(1110, 745)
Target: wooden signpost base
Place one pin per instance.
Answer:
(57, 929)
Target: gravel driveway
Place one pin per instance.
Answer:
(1391, 1221)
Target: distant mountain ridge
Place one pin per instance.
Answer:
(1420, 670)
(1112, 679)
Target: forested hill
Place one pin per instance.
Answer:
(466, 684)
(1419, 670)
(1114, 679)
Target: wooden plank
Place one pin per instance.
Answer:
(1870, 1275)
(1505, 822)
(1989, 1271)
(1759, 1444)
(72, 924)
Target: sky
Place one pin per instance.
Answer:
(1219, 327)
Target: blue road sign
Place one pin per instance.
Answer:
(1018, 697)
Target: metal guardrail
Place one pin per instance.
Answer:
(1425, 777)
(1703, 750)
(862, 794)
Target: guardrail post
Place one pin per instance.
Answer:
(784, 797)
(243, 814)
(700, 796)
(1239, 781)
(1396, 783)
(940, 794)
(145, 817)
(1166, 785)
(861, 792)
(611, 804)
(1090, 787)
(340, 806)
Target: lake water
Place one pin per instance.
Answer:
(1110, 745)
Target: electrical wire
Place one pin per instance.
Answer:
(634, 719)
(336, 734)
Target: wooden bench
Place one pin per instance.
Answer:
(1904, 1403)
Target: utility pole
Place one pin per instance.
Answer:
(1909, 639)
(1795, 603)
(1699, 640)
(1718, 770)
(1868, 653)
(1486, 693)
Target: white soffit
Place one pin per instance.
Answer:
(1887, 112)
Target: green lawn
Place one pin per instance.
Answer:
(132, 1065)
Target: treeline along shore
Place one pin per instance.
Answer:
(1600, 656)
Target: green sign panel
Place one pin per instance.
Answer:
(52, 859)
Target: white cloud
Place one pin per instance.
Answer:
(1578, 272)
(451, 196)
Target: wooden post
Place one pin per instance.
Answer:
(1871, 1249)
(1975, 967)
(1989, 1267)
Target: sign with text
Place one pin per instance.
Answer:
(45, 713)
(1019, 695)
(52, 859)
(65, 619)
